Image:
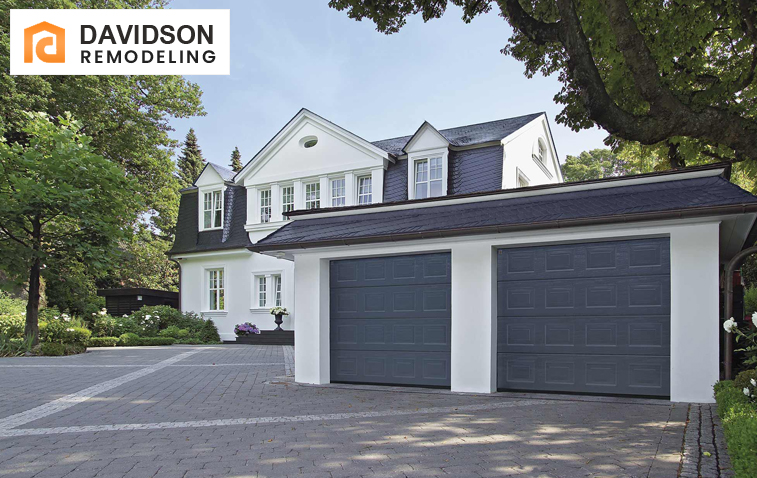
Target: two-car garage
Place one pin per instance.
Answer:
(587, 317)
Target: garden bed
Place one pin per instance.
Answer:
(739, 416)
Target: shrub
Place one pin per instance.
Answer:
(52, 349)
(150, 341)
(209, 333)
(739, 418)
(129, 338)
(10, 305)
(12, 347)
(12, 325)
(743, 379)
(103, 325)
(103, 342)
(189, 341)
(175, 332)
(57, 331)
(750, 301)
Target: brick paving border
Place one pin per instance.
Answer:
(704, 449)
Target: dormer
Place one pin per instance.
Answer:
(211, 187)
(427, 163)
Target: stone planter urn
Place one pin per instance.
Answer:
(279, 320)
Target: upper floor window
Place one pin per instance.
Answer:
(287, 199)
(216, 290)
(428, 178)
(212, 210)
(521, 181)
(265, 205)
(365, 190)
(312, 196)
(338, 196)
(540, 152)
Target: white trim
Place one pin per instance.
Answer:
(264, 226)
(514, 193)
(270, 297)
(205, 288)
(201, 192)
(426, 126)
(520, 176)
(199, 255)
(292, 127)
(544, 122)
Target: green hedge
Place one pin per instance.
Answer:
(103, 341)
(53, 349)
(130, 340)
(739, 417)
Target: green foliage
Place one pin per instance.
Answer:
(10, 305)
(209, 333)
(739, 417)
(743, 379)
(189, 341)
(155, 341)
(236, 160)
(604, 163)
(52, 349)
(143, 263)
(750, 301)
(174, 332)
(102, 342)
(127, 339)
(12, 326)
(190, 161)
(60, 332)
(72, 288)
(747, 339)
(14, 347)
(107, 326)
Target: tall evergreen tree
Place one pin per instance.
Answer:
(190, 162)
(236, 160)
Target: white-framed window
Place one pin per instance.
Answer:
(262, 291)
(540, 151)
(268, 290)
(521, 181)
(312, 195)
(428, 178)
(365, 190)
(287, 199)
(338, 196)
(216, 290)
(212, 210)
(265, 205)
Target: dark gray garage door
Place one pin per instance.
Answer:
(390, 320)
(585, 318)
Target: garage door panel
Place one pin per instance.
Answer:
(642, 295)
(600, 259)
(391, 367)
(399, 270)
(382, 302)
(630, 335)
(395, 334)
(606, 374)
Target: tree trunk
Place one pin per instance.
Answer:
(32, 306)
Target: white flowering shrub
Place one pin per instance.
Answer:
(748, 338)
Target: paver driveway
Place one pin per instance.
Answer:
(186, 411)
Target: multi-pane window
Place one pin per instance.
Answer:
(312, 196)
(364, 190)
(287, 199)
(539, 155)
(428, 178)
(265, 205)
(338, 196)
(262, 291)
(277, 290)
(212, 210)
(268, 288)
(215, 290)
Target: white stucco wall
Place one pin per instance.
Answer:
(518, 150)
(694, 297)
(240, 267)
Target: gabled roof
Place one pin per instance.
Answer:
(306, 113)
(643, 198)
(226, 174)
(465, 135)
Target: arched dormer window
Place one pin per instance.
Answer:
(540, 151)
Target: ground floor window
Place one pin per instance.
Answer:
(268, 290)
(216, 290)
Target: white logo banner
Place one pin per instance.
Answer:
(120, 42)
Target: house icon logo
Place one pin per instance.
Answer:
(57, 41)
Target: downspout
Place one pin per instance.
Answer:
(178, 264)
(728, 306)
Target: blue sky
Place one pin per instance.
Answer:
(290, 54)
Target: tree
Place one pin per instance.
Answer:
(236, 160)
(676, 74)
(190, 162)
(604, 163)
(61, 203)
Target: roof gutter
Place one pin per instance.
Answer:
(498, 229)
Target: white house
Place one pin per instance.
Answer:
(457, 258)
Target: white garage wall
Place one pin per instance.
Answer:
(694, 296)
(240, 267)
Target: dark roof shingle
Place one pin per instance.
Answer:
(635, 199)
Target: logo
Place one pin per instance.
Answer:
(120, 42)
(57, 42)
